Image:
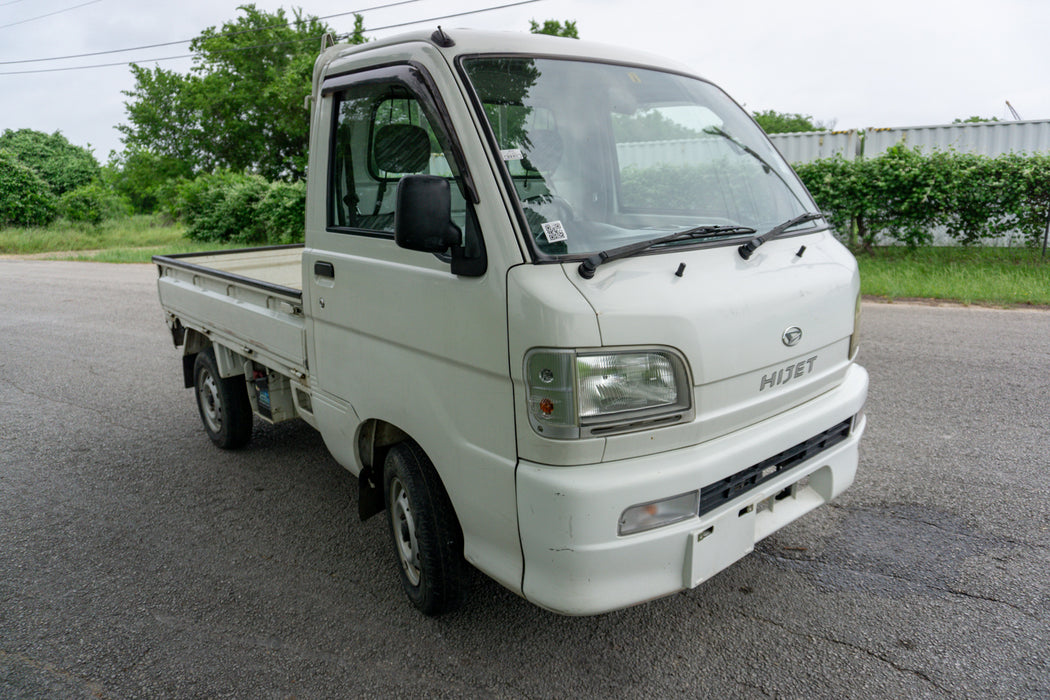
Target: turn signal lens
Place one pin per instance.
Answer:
(549, 389)
(646, 516)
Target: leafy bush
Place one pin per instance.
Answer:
(63, 166)
(773, 122)
(235, 208)
(92, 204)
(145, 179)
(25, 198)
(283, 212)
(902, 195)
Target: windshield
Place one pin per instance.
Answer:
(604, 155)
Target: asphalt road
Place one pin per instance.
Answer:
(136, 560)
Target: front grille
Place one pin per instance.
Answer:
(727, 489)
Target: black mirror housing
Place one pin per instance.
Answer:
(423, 215)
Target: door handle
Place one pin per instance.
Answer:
(324, 269)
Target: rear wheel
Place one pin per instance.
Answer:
(427, 539)
(223, 403)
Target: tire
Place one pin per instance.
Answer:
(428, 542)
(224, 407)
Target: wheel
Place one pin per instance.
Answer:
(223, 403)
(427, 539)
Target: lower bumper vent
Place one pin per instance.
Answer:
(714, 495)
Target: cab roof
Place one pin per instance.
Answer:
(473, 41)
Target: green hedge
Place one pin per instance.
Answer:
(25, 198)
(63, 166)
(903, 194)
(93, 204)
(234, 208)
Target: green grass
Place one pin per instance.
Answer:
(998, 276)
(132, 240)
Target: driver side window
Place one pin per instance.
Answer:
(381, 134)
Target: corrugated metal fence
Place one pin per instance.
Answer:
(984, 138)
(805, 147)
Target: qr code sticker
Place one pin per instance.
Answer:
(554, 232)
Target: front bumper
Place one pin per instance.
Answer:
(577, 564)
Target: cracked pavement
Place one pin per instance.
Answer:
(136, 560)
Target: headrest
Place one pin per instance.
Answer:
(402, 148)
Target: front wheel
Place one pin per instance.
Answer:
(223, 403)
(427, 539)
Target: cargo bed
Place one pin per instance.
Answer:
(249, 301)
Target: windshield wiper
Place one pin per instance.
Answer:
(588, 266)
(748, 248)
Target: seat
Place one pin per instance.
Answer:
(401, 149)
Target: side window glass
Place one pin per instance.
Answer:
(381, 134)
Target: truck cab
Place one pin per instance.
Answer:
(566, 314)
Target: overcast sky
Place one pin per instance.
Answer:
(853, 65)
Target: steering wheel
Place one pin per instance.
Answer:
(550, 203)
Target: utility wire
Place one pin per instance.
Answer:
(186, 41)
(10, 2)
(262, 46)
(457, 14)
(164, 58)
(49, 14)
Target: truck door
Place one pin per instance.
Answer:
(394, 334)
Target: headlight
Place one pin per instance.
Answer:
(572, 393)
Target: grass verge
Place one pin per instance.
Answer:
(132, 240)
(997, 276)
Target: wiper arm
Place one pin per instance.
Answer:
(748, 248)
(588, 266)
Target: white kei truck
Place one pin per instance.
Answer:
(562, 310)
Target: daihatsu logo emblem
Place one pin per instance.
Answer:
(791, 336)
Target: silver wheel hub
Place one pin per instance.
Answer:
(211, 405)
(404, 531)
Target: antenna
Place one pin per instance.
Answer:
(441, 38)
(1017, 117)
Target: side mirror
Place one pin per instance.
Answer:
(423, 215)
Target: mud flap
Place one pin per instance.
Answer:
(369, 494)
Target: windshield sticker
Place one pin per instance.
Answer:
(554, 232)
(512, 154)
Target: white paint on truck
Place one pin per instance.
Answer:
(482, 330)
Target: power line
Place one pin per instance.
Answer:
(49, 14)
(262, 46)
(186, 41)
(457, 14)
(162, 58)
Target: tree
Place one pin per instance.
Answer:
(146, 179)
(60, 164)
(554, 28)
(650, 125)
(773, 122)
(241, 105)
